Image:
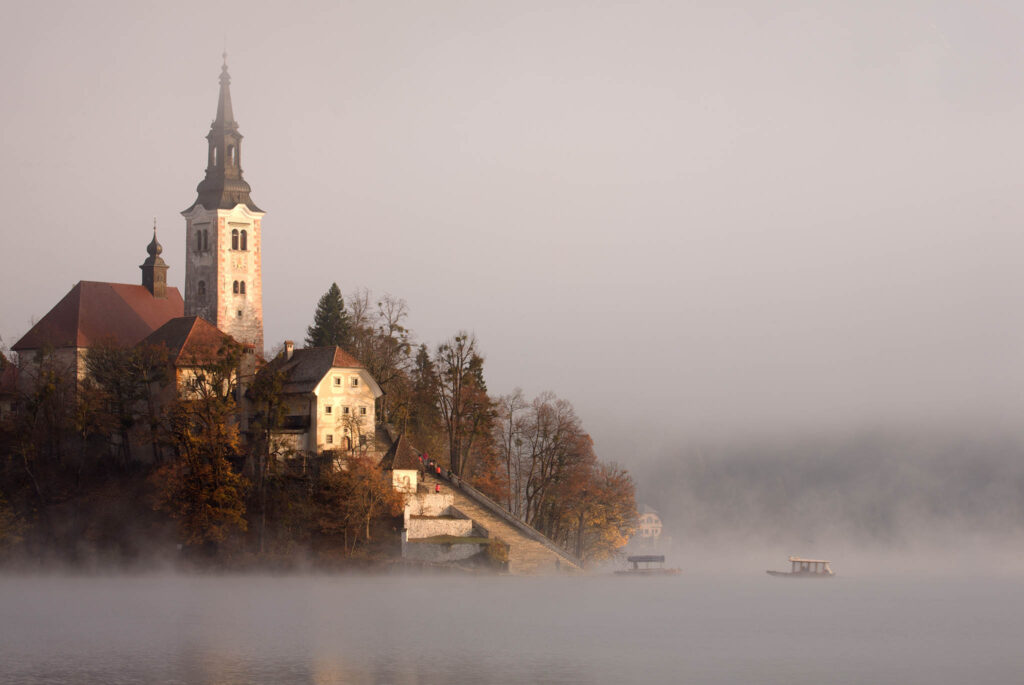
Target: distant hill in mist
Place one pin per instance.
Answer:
(891, 487)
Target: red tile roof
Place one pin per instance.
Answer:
(400, 456)
(307, 367)
(189, 339)
(94, 311)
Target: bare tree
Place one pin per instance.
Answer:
(462, 399)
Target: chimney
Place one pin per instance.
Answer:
(289, 347)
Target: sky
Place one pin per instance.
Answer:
(686, 218)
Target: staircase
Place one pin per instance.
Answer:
(529, 551)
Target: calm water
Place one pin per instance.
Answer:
(401, 629)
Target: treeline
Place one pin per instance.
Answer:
(896, 487)
(137, 454)
(533, 457)
(135, 462)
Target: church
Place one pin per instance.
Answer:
(222, 269)
(331, 396)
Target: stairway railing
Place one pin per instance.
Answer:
(507, 516)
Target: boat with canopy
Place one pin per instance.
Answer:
(806, 568)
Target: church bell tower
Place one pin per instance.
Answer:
(223, 274)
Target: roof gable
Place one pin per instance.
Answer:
(189, 339)
(400, 456)
(308, 366)
(93, 311)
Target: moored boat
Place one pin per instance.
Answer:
(652, 565)
(806, 568)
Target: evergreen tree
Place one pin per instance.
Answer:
(331, 324)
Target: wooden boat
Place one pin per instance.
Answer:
(653, 565)
(806, 568)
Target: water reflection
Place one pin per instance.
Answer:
(425, 630)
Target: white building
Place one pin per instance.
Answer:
(330, 399)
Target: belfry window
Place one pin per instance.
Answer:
(201, 290)
(234, 238)
(235, 288)
(232, 158)
(199, 241)
(206, 240)
(215, 151)
(245, 240)
(241, 287)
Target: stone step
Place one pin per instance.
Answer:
(525, 555)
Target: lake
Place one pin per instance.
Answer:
(465, 629)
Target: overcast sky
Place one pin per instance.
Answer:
(684, 217)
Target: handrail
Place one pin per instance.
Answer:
(510, 518)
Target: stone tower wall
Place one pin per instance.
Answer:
(220, 266)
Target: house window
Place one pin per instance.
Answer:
(362, 441)
(239, 313)
(234, 238)
(328, 409)
(337, 381)
(344, 410)
(362, 411)
(329, 439)
(354, 382)
(245, 240)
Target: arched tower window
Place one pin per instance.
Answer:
(234, 238)
(232, 158)
(201, 290)
(215, 156)
(235, 288)
(206, 239)
(245, 240)
(241, 287)
(199, 241)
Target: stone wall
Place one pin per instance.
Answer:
(428, 526)
(439, 553)
(219, 266)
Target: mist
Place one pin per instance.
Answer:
(689, 220)
(930, 500)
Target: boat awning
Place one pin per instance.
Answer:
(647, 558)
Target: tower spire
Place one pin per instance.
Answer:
(225, 115)
(154, 269)
(223, 187)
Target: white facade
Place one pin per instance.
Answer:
(223, 270)
(345, 415)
